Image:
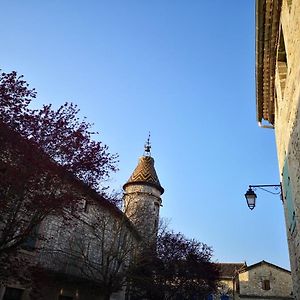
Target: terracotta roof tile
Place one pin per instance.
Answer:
(145, 173)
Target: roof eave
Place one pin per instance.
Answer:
(267, 263)
(267, 33)
(160, 188)
(259, 47)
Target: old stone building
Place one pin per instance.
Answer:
(262, 280)
(83, 253)
(228, 278)
(277, 102)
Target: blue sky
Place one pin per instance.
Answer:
(184, 70)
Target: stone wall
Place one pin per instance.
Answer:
(92, 245)
(265, 282)
(142, 203)
(287, 128)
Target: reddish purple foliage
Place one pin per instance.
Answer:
(31, 188)
(180, 268)
(39, 150)
(59, 133)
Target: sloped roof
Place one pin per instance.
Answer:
(263, 262)
(229, 270)
(145, 173)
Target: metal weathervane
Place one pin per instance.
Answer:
(147, 147)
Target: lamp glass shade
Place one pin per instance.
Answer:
(251, 198)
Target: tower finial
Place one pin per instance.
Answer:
(147, 147)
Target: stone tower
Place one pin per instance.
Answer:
(142, 196)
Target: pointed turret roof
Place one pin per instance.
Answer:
(145, 172)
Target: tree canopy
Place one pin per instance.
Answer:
(59, 133)
(180, 268)
(42, 154)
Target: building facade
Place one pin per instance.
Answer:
(84, 251)
(262, 280)
(228, 278)
(277, 102)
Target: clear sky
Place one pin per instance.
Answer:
(184, 70)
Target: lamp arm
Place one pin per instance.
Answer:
(263, 186)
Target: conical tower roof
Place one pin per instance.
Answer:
(145, 174)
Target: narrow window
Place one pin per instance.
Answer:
(85, 206)
(31, 240)
(155, 224)
(276, 105)
(281, 62)
(266, 285)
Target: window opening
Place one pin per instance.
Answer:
(266, 284)
(85, 206)
(281, 62)
(31, 240)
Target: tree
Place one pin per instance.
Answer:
(59, 133)
(43, 153)
(32, 187)
(31, 140)
(180, 268)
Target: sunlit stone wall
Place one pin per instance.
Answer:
(287, 128)
(142, 203)
(252, 283)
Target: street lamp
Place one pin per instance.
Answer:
(251, 196)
